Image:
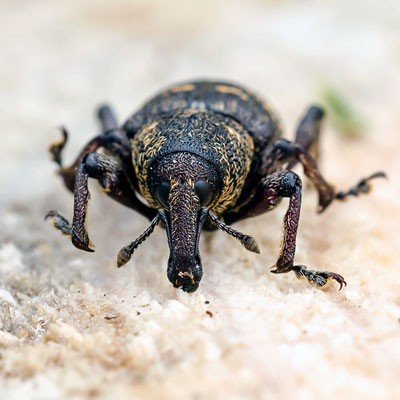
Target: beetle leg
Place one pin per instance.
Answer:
(307, 133)
(267, 196)
(107, 118)
(56, 148)
(320, 279)
(363, 186)
(68, 173)
(112, 139)
(113, 181)
(282, 151)
(326, 192)
(59, 222)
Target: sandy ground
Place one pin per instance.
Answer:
(72, 326)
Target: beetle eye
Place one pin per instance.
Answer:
(204, 190)
(162, 193)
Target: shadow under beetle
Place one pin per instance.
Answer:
(203, 155)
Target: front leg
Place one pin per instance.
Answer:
(77, 231)
(268, 194)
(115, 184)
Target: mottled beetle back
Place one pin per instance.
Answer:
(220, 97)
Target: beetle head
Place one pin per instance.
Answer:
(184, 185)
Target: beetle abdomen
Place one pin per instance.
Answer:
(216, 138)
(221, 97)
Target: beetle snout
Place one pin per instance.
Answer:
(185, 273)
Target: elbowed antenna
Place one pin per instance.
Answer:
(247, 241)
(126, 252)
(250, 243)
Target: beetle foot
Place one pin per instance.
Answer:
(320, 279)
(57, 147)
(363, 186)
(59, 222)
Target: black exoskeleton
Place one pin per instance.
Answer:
(203, 155)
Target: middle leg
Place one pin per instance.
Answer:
(112, 139)
(282, 151)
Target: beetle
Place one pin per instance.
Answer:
(200, 155)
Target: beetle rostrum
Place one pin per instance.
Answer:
(202, 156)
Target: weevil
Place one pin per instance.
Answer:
(200, 155)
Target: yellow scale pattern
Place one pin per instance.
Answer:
(231, 152)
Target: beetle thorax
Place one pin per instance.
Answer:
(216, 139)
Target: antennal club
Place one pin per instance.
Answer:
(126, 252)
(247, 241)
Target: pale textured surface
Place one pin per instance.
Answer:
(72, 326)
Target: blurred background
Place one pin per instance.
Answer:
(58, 61)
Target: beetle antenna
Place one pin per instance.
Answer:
(126, 252)
(247, 241)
